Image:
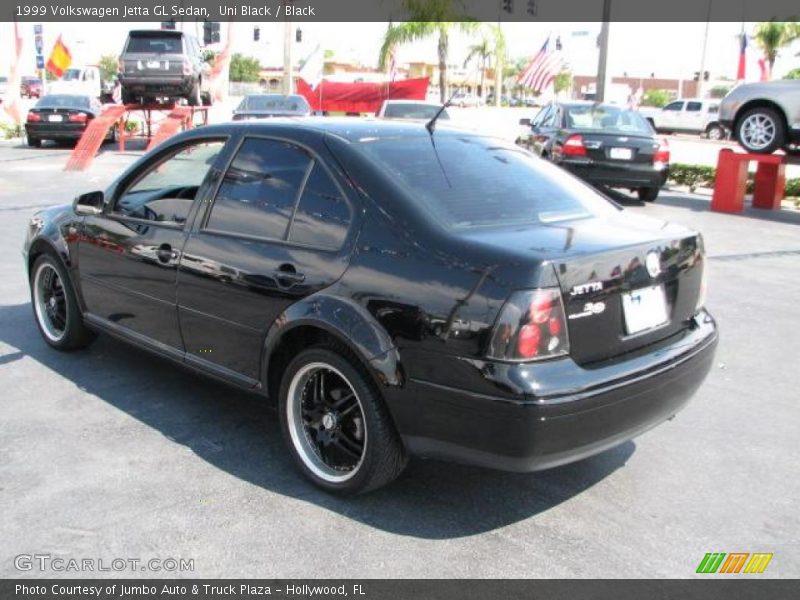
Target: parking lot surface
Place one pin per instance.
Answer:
(113, 453)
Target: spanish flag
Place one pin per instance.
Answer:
(60, 58)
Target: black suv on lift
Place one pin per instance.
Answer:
(163, 64)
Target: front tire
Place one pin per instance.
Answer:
(335, 423)
(648, 194)
(761, 130)
(55, 306)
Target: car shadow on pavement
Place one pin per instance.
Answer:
(239, 433)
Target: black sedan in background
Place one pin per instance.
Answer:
(264, 106)
(603, 144)
(397, 291)
(62, 117)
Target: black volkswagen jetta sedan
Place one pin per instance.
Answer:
(398, 292)
(603, 144)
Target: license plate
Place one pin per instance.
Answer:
(620, 153)
(645, 308)
(153, 64)
(55, 118)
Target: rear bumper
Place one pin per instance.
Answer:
(609, 405)
(166, 86)
(622, 175)
(60, 131)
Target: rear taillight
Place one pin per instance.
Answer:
(78, 118)
(662, 154)
(33, 117)
(531, 326)
(120, 65)
(187, 67)
(573, 146)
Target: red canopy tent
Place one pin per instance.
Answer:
(360, 97)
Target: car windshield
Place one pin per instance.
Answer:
(413, 110)
(468, 181)
(155, 44)
(274, 102)
(63, 101)
(611, 119)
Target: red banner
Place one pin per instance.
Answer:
(360, 97)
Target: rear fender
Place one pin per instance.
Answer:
(346, 321)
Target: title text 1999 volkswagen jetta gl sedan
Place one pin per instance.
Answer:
(398, 291)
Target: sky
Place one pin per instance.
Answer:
(669, 50)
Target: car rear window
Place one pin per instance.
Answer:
(609, 119)
(469, 181)
(155, 44)
(274, 102)
(411, 110)
(63, 101)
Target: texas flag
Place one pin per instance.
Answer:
(60, 58)
(761, 62)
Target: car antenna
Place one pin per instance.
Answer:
(431, 125)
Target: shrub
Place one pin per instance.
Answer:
(657, 98)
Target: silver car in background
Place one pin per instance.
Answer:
(763, 117)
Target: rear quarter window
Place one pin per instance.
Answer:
(470, 181)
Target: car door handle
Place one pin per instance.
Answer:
(166, 254)
(288, 275)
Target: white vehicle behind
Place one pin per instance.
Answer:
(688, 115)
(78, 81)
(411, 109)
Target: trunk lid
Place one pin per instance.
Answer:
(626, 281)
(618, 150)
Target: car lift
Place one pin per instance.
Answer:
(730, 183)
(178, 117)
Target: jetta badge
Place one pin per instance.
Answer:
(653, 264)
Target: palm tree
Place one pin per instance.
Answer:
(491, 46)
(429, 18)
(771, 36)
(481, 51)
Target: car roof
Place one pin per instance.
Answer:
(352, 129)
(159, 32)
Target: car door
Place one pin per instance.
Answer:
(692, 116)
(542, 129)
(128, 255)
(671, 115)
(278, 229)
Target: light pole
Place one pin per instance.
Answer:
(701, 74)
(602, 62)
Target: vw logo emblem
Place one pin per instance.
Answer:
(653, 264)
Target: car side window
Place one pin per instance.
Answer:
(541, 116)
(260, 189)
(323, 216)
(694, 106)
(674, 106)
(164, 192)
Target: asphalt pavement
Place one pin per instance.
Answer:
(112, 453)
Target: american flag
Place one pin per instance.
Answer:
(542, 69)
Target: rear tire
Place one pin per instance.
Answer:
(194, 98)
(206, 96)
(761, 130)
(335, 423)
(715, 132)
(34, 142)
(55, 306)
(648, 194)
(128, 97)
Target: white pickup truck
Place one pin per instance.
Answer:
(688, 115)
(84, 80)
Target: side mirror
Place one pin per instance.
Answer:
(90, 203)
(525, 122)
